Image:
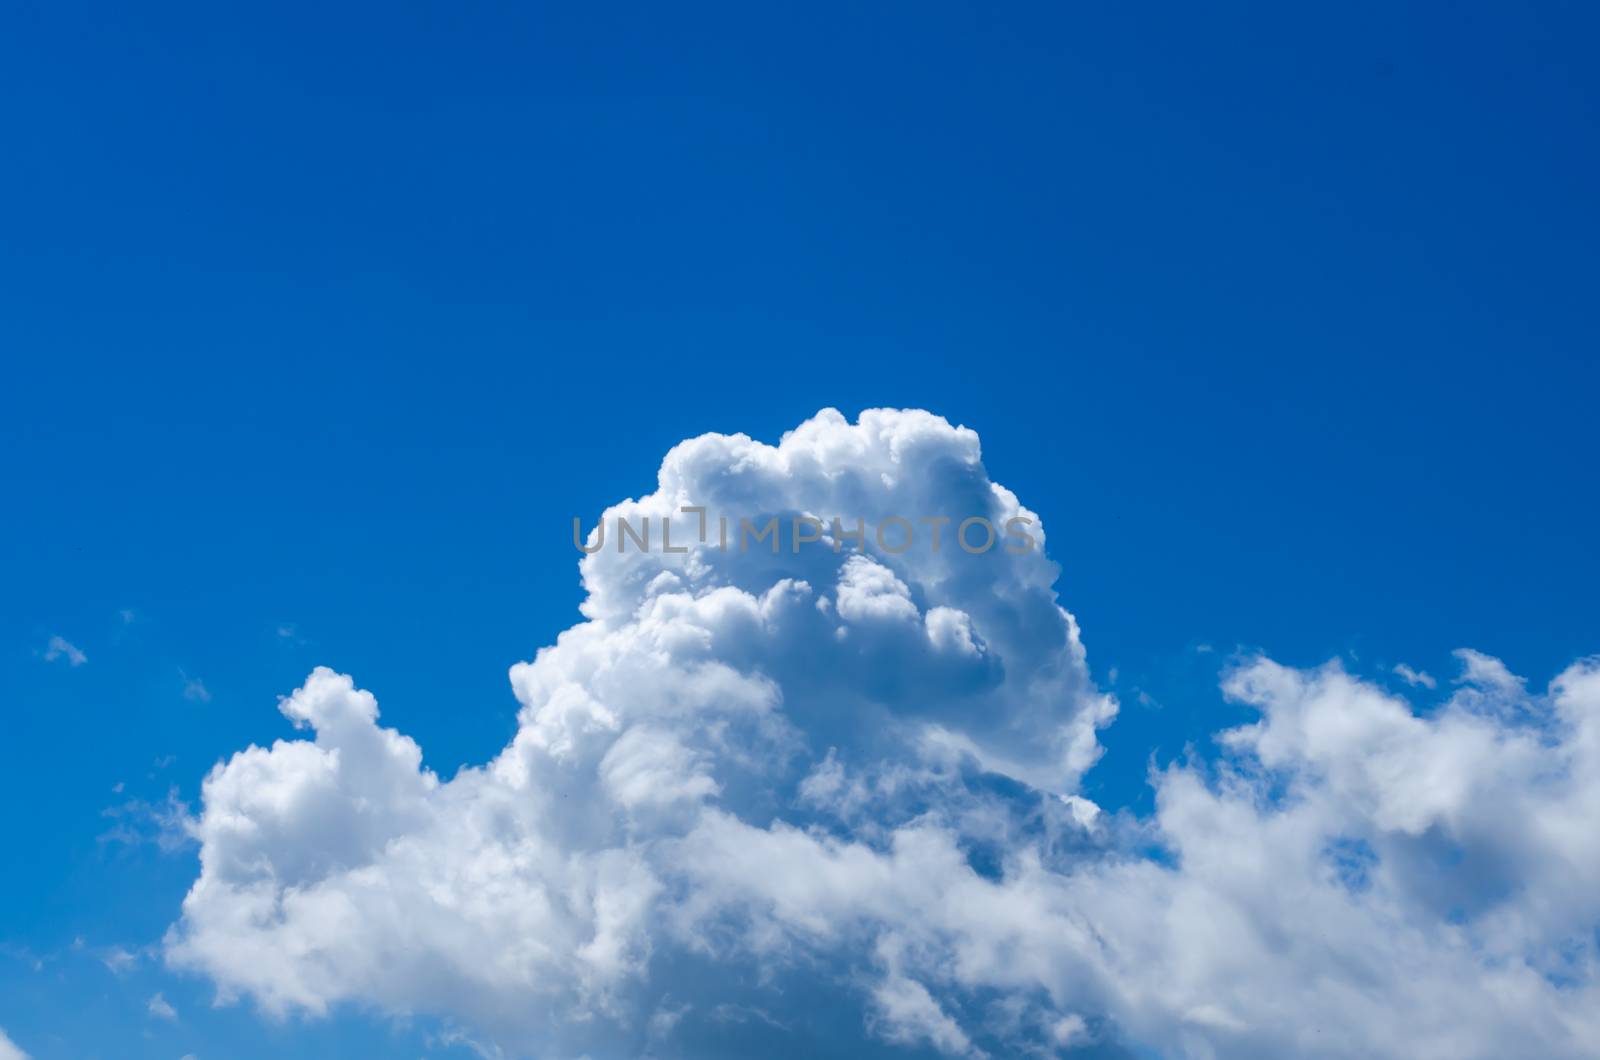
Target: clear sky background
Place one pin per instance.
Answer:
(320, 323)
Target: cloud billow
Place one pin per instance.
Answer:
(824, 803)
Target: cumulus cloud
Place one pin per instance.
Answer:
(828, 798)
(9, 1049)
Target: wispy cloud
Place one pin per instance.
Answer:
(194, 689)
(62, 648)
(167, 824)
(1486, 671)
(1414, 677)
(119, 960)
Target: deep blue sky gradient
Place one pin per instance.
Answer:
(329, 319)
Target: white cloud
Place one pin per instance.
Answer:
(1487, 671)
(61, 648)
(194, 689)
(1070, 1029)
(167, 824)
(909, 1015)
(159, 1008)
(9, 1050)
(118, 960)
(832, 799)
(1414, 678)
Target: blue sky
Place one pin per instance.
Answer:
(322, 324)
